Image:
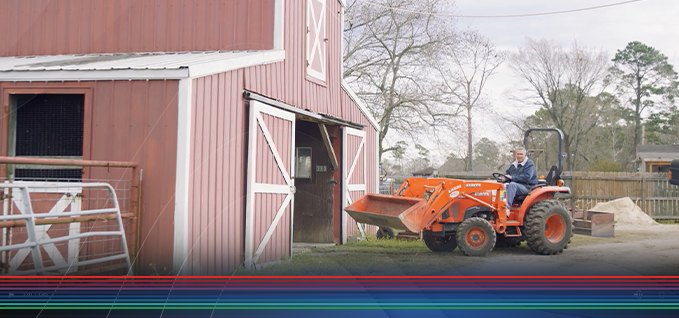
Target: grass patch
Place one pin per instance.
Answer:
(395, 257)
(375, 246)
(667, 221)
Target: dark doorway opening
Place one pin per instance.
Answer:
(46, 126)
(314, 180)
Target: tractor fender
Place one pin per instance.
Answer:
(539, 194)
(470, 212)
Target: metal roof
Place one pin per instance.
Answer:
(657, 152)
(153, 65)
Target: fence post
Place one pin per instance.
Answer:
(643, 192)
(574, 197)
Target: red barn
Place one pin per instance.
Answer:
(235, 110)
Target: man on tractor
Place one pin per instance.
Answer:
(521, 175)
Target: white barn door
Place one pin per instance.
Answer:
(270, 186)
(354, 178)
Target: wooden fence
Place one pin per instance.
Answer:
(650, 191)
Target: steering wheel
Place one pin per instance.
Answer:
(499, 177)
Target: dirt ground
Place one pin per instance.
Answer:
(650, 250)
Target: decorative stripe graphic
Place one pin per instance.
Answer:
(339, 292)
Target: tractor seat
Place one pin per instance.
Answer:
(550, 180)
(519, 198)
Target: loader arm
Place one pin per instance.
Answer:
(421, 203)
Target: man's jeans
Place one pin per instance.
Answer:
(514, 189)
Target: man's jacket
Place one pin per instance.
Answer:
(523, 172)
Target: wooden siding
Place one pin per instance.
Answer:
(351, 112)
(287, 81)
(49, 27)
(219, 136)
(217, 175)
(129, 121)
(268, 204)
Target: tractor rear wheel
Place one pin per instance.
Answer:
(476, 237)
(439, 243)
(548, 227)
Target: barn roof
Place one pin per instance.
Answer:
(130, 65)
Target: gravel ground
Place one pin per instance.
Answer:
(650, 250)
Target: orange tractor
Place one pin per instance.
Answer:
(473, 215)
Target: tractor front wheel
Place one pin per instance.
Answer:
(476, 237)
(439, 243)
(548, 227)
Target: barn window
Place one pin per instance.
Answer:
(47, 126)
(303, 163)
(316, 45)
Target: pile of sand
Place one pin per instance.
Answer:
(626, 212)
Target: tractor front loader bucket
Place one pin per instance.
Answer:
(388, 211)
(594, 223)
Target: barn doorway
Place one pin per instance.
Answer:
(315, 183)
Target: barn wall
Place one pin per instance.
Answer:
(287, 81)
(217, 174)
(352, 112)
(128, 121)
(50, 27)
(219, 136)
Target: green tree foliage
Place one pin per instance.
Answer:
(606, 165)
(422, 152)
(643, 76)
(487, 152)
(662, 128)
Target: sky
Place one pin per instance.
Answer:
(652, 22)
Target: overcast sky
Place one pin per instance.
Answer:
(652, 22)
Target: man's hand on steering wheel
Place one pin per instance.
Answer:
(502, 177)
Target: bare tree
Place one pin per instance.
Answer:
(468, 65)
(566, 84)
(388, 56)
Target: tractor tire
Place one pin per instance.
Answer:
(439, 243)
(384, 233)
(503, 241)
(548, 227)
(476, 237)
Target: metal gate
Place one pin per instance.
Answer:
(38, 242)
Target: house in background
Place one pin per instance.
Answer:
(235, 110)
(426, 172)
(656, 158)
